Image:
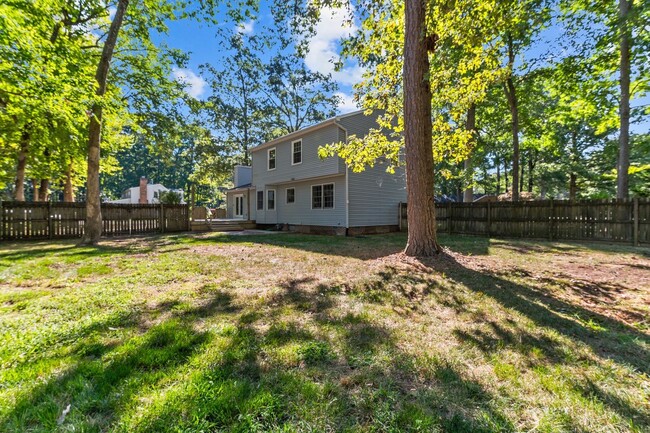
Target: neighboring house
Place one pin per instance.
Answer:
(288, 184)
(145, 193)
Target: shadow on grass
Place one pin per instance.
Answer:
(260, 371)
(277, 374)
(606, 338)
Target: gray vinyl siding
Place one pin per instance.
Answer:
(248, 211)
(300, 212)
(311, 166)
(374, 193)
(251, 204)
(359, 124)
(242, 175)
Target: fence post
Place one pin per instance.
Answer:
(489, 218)
(49, 220)
(635, 220)
(162, 218)
(551, 224)
(449, 217)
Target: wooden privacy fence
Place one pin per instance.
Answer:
(596, 220)
(22, 220)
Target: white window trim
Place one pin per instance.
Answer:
(268, 159)
(257, 207)
(275, 200)
(292, 151)
(323, 196)
(286, 195)
(239, 196)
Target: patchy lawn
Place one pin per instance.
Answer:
(313, 333)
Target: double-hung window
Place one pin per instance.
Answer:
(296, 152)
(260, 200)
(271, 159)
(322, 196)
(270, 199)
(291, 195)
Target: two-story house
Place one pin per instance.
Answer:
(289, 185)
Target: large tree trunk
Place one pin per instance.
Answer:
(44, 190)
(573, 186)
(93, 225)
(531, 167)
(511, 95)
(68, 190)
(498, 164)
(521, 178)
(622, 184)
(468, 195)
(417, 133)
(35, 187)
(19, 190)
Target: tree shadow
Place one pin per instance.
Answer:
(108, 374)
(279, 373)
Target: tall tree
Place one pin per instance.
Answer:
(93, 224)
(623, 166)
(417, 132)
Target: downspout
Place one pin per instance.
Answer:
(347, 177)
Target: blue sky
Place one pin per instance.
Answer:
(199, 40)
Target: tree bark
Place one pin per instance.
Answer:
(531, 167)
(19, 190)
(421, 211)
(521, 178)
(511, 95)
(44, 190)
(623, 165)
(35, 187)
(68, 190)
(505, 174)
(573, 186)
(468, 195)
(498, 164)
(93, 225)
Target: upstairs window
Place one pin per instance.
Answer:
(322, 196)
(270, 199)
(296, 152)
(271, 159)
(260, 200)
(291, 195)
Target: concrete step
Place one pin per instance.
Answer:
(231, 225)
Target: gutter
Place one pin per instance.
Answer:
(347, 178)
(331, 121)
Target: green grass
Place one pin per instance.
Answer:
(293, 333)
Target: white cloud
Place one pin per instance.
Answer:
(246, 28)
(346, 103)
(323, 46)
(194, 84)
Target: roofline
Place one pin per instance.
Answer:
(331, 121)
(240, 188)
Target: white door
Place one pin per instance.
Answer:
(239, 206)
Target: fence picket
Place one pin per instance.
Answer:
(597, 220)
(23, 220)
